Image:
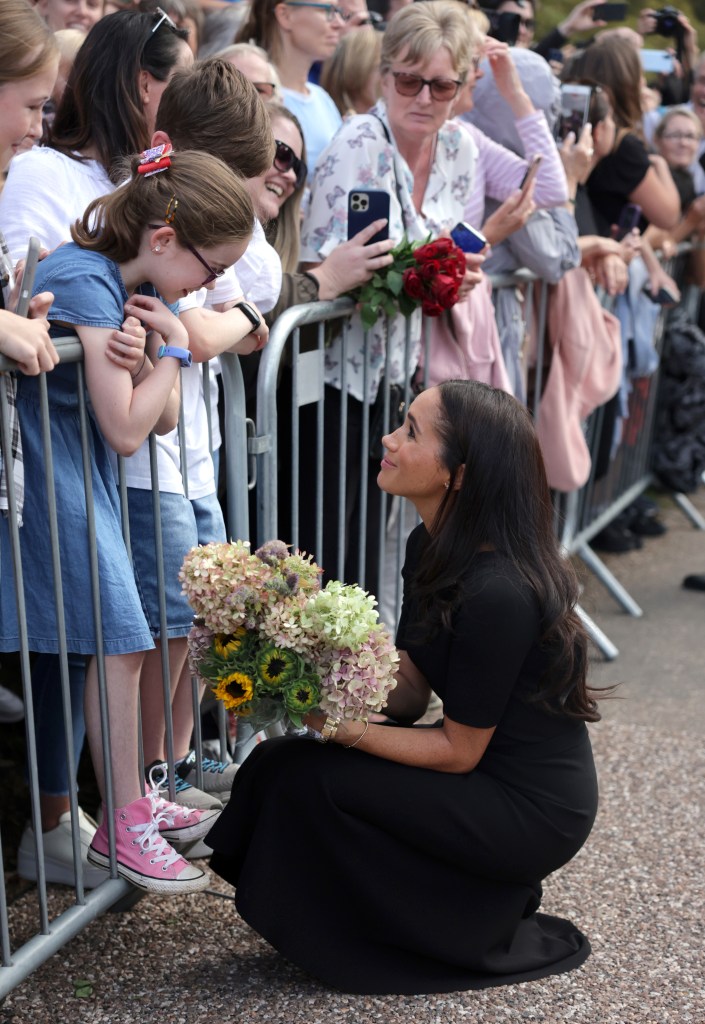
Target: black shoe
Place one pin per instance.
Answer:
(694, 582)
(616, 539)
(647, 526)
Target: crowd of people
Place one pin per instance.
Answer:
(186, 167)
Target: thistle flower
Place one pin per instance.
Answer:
(273, 552)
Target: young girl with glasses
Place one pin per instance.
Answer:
(130, 250)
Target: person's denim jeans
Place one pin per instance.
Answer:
(49, 720)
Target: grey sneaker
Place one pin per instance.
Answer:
(11, 707)
(218, 777)
(58, 853)
(186, 794)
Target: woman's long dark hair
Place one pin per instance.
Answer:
(502, 502)
(101, 105)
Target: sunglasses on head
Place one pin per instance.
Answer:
(408, 84)
(285, 159)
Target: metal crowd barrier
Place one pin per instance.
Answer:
(52, 933)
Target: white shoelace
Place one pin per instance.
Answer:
(152, 842)
(164, 810)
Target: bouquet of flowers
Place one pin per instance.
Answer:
(272, 644)
(426, 274)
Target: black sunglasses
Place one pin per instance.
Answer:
(285, 159)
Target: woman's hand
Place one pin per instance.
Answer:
(580, 19)
(152, 311)
(577, 156)
(353, 262)
(510, 216)
(658, 278)
(26, 340)
(507, 79)
(611, 273)
(473, 274)
(126, 346)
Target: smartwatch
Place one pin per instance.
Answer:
(182, 354)
(251, 314)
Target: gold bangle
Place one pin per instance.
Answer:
(329, 729)
(349, 746)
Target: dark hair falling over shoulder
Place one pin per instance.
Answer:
(502, 502)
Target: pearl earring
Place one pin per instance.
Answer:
(157, 248)
(447, 484)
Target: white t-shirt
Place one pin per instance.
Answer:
(44, 194)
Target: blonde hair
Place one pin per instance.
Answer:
(22, 33)
(284, 233)
(251, 49)
(418, 31)
(210, 204)
(678, 112)
(345, 75)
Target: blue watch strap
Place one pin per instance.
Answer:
(182, 354)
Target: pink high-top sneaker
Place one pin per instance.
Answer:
(177, 824)
(144, 857)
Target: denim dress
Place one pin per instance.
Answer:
(88, 291)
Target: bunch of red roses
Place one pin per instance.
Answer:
(434, 281)
(426, 274)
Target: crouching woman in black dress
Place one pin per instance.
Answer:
(413, 863)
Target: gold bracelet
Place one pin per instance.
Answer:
(329, 729)
(349, 746)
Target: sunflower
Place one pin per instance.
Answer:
(234, 689)
(302, 695)
(226, 644)
(277, 667)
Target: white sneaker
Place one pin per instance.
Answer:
(58, 853)
(11, 707)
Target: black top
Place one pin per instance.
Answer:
(487, 670)
(614, 179)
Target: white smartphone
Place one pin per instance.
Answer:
(575, 110)
(658, 61)
(30, 270)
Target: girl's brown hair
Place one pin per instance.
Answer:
(209, 203)
(26, 44)
(613, 63)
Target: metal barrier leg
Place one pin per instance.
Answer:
(611, 583)
(689, 510)
(600, 639)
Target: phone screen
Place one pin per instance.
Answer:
(575, 110)
(609, 12)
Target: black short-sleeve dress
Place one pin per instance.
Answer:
(377, 877)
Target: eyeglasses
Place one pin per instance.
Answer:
(407, 84)
(528, 23)
(331, 10)
(212, 274)
(681, 136)
(285, 159)
(265, 88)
(164, 18)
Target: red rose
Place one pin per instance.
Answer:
(430, 308)
(434, 250)
(413, 285)
(444, 289)
(454, 264)
(427, 271)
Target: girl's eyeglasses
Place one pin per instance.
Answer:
(212, 274)
(285, 159)
(443, 89)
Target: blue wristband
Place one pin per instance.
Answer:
(182, 354)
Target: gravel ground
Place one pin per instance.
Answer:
(636, 889)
